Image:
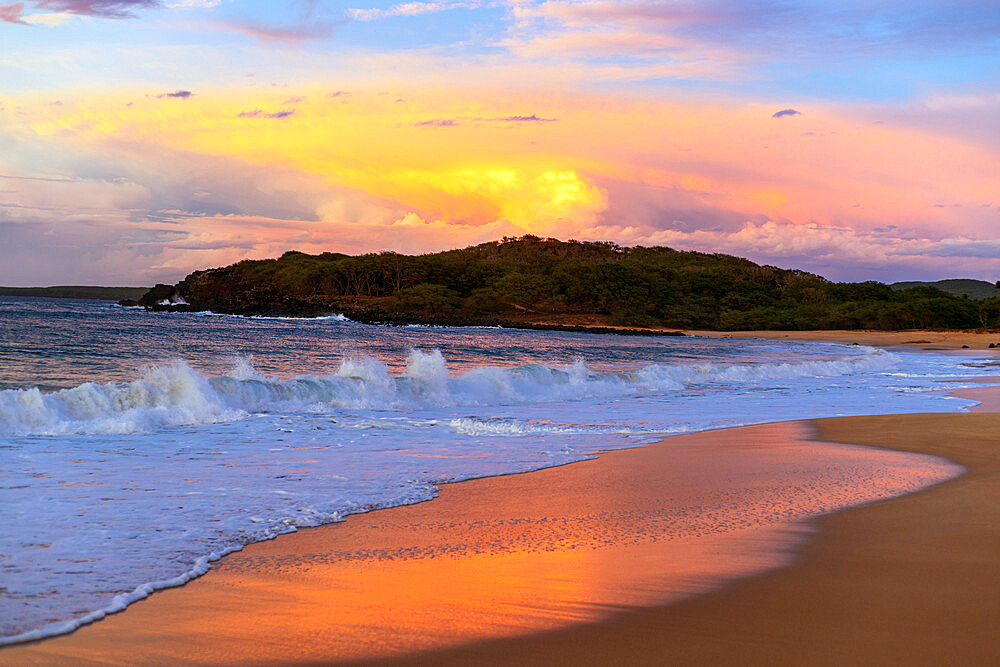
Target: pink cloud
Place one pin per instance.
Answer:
(603, 11)
(408, 9)
(12, 13)
(114, 9)
(727, 37)
(289, 34)
(838, 253)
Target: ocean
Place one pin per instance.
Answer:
(136, 448)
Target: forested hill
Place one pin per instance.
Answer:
(974, 289)
(544, 281)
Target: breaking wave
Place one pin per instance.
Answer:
(175, 394)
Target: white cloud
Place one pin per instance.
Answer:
(408, 9)
(838, 253)
(193, 4)
(49, 19)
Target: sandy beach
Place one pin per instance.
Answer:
(907, 581)
(914, 338)
(557, 566)
(921, 339)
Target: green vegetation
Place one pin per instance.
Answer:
(964, 287)
(77, 292)
(532, 280)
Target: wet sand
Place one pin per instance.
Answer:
(916, 338)
(912, 580)
(580, 565)
(921, 339)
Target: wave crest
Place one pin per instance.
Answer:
(175, 394)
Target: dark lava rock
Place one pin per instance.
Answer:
(157, 294)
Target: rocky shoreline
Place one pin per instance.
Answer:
(167, 298)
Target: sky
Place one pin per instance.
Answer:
(143, 139)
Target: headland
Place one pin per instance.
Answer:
(531, 282)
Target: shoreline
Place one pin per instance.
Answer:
(922, 339)
(925, 339)
(284, 557)
(909, 580)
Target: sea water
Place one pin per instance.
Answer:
(136, 447)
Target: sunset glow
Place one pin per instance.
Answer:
(865, 147)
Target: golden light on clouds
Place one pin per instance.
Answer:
(332, 128)
(421, 170)
(475, 169)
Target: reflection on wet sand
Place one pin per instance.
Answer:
(510, 555)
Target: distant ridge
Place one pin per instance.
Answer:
(78, 292)
(974, 289)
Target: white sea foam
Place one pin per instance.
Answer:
(177, 395)
(169, 395)
(119, 602)
(338, 317)
(507, 427)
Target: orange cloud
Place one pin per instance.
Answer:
(366, 171)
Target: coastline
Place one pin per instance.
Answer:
(260, 593)
(917, 338)
(927, 339)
